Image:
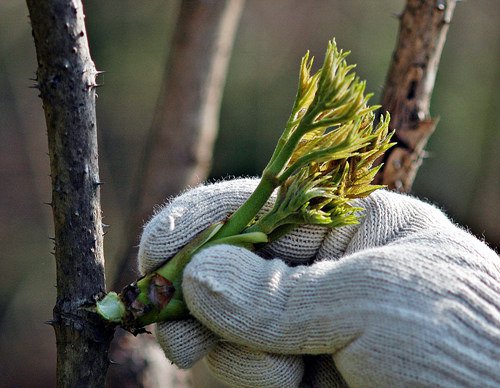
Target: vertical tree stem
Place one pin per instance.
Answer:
(67, 79)
(178, 151)
(408, 87)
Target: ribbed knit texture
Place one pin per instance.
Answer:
(405, 298)
(254, 368)
(176, 339)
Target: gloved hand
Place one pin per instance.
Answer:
(404, 298)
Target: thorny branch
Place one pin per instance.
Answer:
(408, 87)
(66, 78)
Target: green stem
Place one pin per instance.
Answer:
(271, 179)
(291, 124)
(276, 167)
(265, 225)
(240, 219)
(174, 267)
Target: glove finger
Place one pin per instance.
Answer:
(244, 367)
(265, 304)
(435, 293)
(387, 216)
(298, 247)
(185, 342)
(187, 215)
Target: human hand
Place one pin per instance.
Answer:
(404, 298)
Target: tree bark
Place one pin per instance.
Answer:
(408, 87)
(66, 78)
(177, 155)
(178, 152)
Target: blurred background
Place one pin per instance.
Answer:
(130, 41)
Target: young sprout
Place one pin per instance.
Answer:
(322, 161)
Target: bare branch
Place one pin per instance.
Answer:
(178, 152)
(66, 79)
(179, 148)
(409, 85)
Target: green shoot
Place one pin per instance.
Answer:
(322, 161)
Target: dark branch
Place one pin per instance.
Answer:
(66, 79)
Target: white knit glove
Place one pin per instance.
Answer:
(405, 298)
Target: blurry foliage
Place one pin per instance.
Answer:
(130, 41)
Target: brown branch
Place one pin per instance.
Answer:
(67, 79)
(178, 153)
(409, 85)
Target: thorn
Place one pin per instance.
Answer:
(141, 330)
(48, 203)
(446, 20)
(104, 225)
(52, 238)
(35, 86)
(112, 362)
(441, 5)
(50, 322)
(93, 85)
(100, 72)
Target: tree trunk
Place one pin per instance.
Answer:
(178, 152)
(177, 155)
(66, 78)
(408, 87)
